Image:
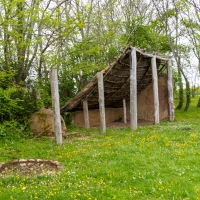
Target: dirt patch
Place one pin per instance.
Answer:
(74, 136)
(30, 167)
(123, 125)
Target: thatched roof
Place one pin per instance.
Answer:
(117, 81)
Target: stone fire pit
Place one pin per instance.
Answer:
(29, 167)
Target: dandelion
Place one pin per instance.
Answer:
(193, 135)
(23, 188)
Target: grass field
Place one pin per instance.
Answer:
(153, 162)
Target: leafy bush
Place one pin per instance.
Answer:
(16, 102)
(11, 130)
(9, 106)
(6, 79)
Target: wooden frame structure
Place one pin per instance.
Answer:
(121, 82)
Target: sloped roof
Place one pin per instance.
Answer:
(117, 81)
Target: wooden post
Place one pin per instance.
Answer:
(124, 110)
(133, 90)
(86, 114)
(56, 105)
(170, 92)
(101, 102)
(155, 90)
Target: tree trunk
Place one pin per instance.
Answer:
(198, 104)
(193, 91)
(188, 99)
(180, 104)
(20, 41)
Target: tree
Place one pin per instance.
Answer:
(168, 13)
(191, 21)
(30, 31)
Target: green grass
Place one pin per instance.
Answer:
(153, 162)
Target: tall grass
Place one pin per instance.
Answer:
(153, 162)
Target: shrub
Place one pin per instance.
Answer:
(16, 102)
(11, 130)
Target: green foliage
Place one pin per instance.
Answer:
(6, 79)
(12, 130)
(145, 36)
(85, 58)
(68, 119)
(16, 102)
(45, 95)
(9, 106)
(66, 90)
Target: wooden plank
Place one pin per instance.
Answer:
(101, 102)
(86, 114)
(133, 90)
(170, 92)
(151, 55)
(124, 110)
(56, 105)
(155, 90)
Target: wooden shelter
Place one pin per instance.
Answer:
(121, 88)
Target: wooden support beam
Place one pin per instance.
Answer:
(155, 90)
(101, 102)
(133, 90)
(56, 105)
(86, 114)
(124, 110)
(170, 91)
